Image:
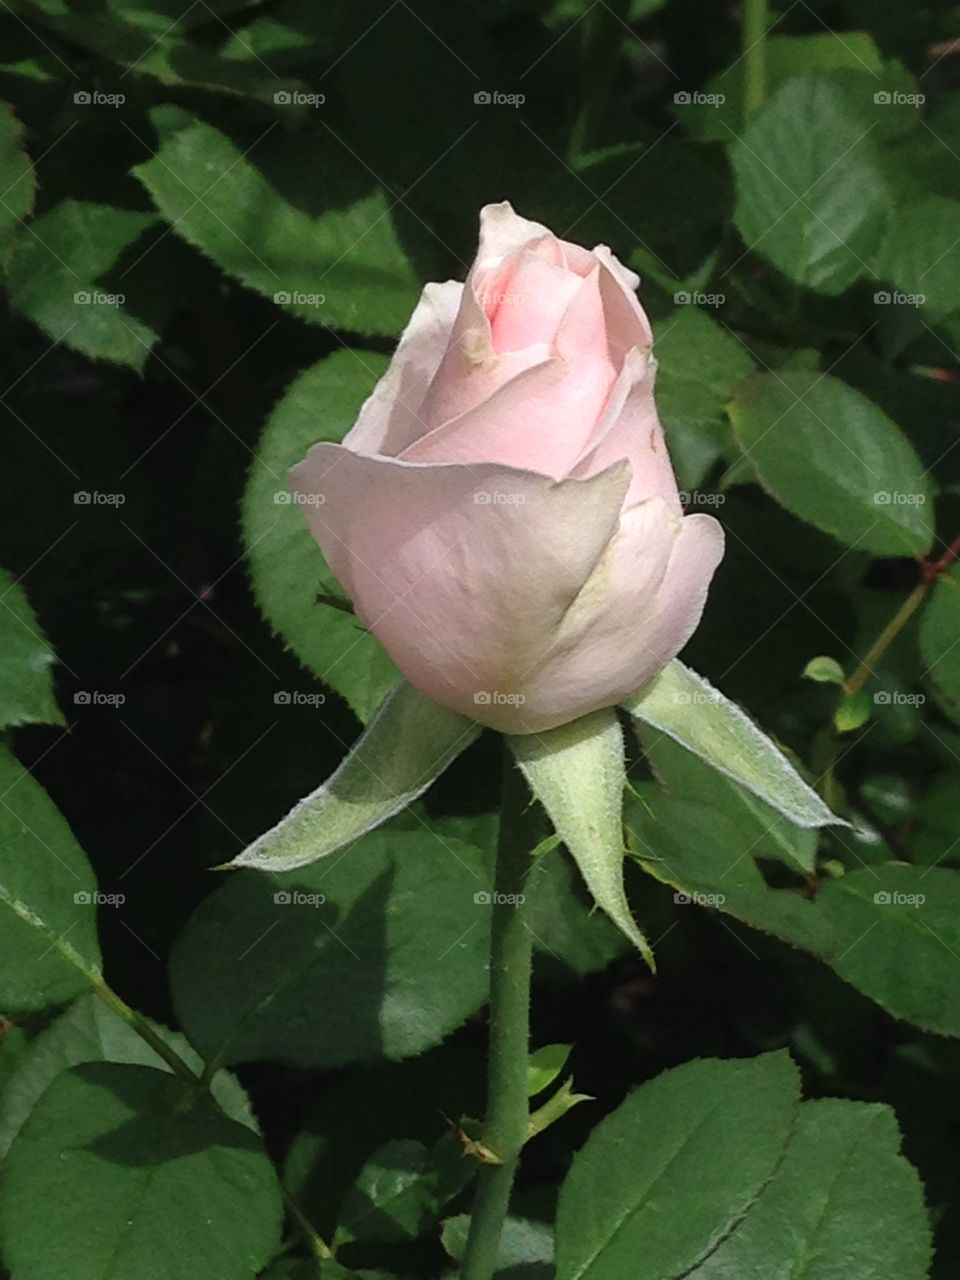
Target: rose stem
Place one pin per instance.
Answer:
(508, 1109)
(145, 1031)
(754, 31)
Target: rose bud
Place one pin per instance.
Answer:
(503, 514)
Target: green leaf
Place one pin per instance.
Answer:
(17, 180)
(525, 1251)
(545, 1065)
(698, 364)
(785, 57)
(400, 1192)
(688, 709)
(824, 670)
(843, 1201)
(561, 916)
(555, 1108)
(710, 861)
(577, 773)
(939, 633)
(48, 943)
(831, 457)
(146, 1173)
(380, 952)
(90, 1032)
(685, 775)
(668, 1174)
(918, 258)
(852, 713)
(286, 565)
(404, 748)
(897, 939)
(26, 660)
(811, 197)
(68, 277)
(212, 192)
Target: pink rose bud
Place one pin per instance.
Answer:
(504, 514)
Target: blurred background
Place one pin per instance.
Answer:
(215, 219)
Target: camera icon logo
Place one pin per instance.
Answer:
(282, 299)
(682, 899)
(882, 99)
(482, 898)
(282, 498)
(82, 98)
(481, 698)
(82, 898)
(282, 898)
(282, 698)
(81, 498)
(482, 98)
(681, 299)
(82, 698)
(881, 898)
(682, 98)
(882, 698)
(282, 98)
(882, 298)
(82, 298)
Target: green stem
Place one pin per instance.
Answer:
(754, 30)
(144, 1030)
(508, 1110)
(318, 1247)
(603, 31)
(887, 637)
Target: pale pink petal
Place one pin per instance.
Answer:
(627, 323)
(391, 417)
(527, 306)
(630, 428)
(635, 613)
(463, 573)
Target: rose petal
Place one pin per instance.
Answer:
(635, 613)
(391, 417)
(630, 428)
(527, 305)
(465, 595)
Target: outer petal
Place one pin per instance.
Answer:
(636, 612)
(391, 417)
(631, 429)
(463, 573)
